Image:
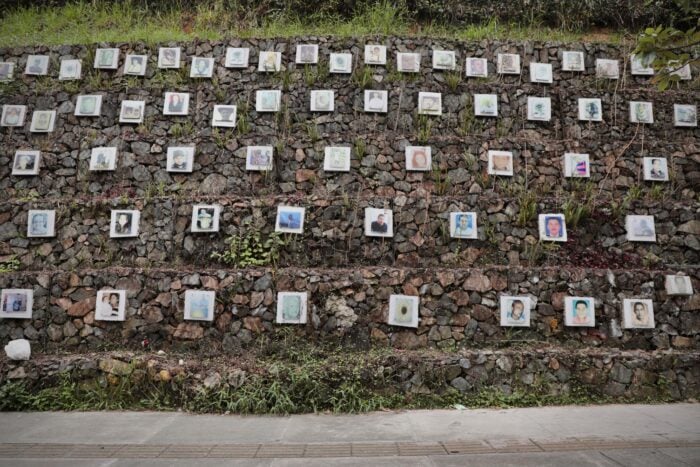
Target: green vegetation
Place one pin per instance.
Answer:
(251, 249)
(9, 265)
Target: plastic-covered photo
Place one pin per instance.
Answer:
(539, 109)
(176, 103)
(336, 159)
(37, 65)
(41, 223)
(641, 65)
(500, 163)
(340, 63)
(103, 159)
(463, 225)
(237, 57)
(107, 59)
(403, 310)
(307, 53)
(655, 169)
(205, 218)
(13, 115)
(477, 67)
(430, 103)
(590, 109)
(682, 72)
(270, 61)
(16, 303)
(322, 101)
(43, 121)
(202, 67)
(169, 57)
(408, 62)
(199, 305)
(375, 54)
(640, 228)
(540, 72)
(515, 311)
(552, 227)
(376, 101)
(444, 60)
(379, 222)
(267, 100)
(70, 69)
(605, 68)
(685, 115)
(508, 64)
(677, 284)
(26, 163)
(135, 64)
(132, 111)
(258, 158)
(418, 158)
(180, 159)
(110, 305)
(579, 312)
(641, 112)
(124, 223)
(486, 105)
(290, 219)
(577, 165)
(88, 105)
(572, 60)
(224, 116)
(7, 70)
(291, 307)
(637, 313)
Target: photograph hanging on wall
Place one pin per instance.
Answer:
(577, 165)
(640, 228)
(169, 57)
(677, 284)
(486, 105)
(552, 227)
(375, 54)
(135, 65)
(267, 100)
(376, 101)
(477, 67)
(237, 57)
(685, 115)
(641, 112)
(403, 310)
(270, 61)
(202, 67)
(132, 111)
(205, 218)
(641, 65)
(683, 72)
(224, 116)
(508, 64)
(463, 225)
(608, 69)
(110, 305)
(515, 311)
(579, 312)
(199, 305)
(13, 115)
(637, 313)
(37, 65)
(590, 109)
(180, 159)
(41, 223)
(655, 169)
(408, 62)
(88, 106)
(500, 163)
(107, 59)
(444, 60)
(7, 70)
(258, 158)
(322, 101)
(176, 103)
(379, 222)
(70, 69)
(540, 72)
(539, 109)
(340, 63)
(16, 303)
(336, 159)
(124, 223)
(26, 163)
(572, 60)
(103, 159)
(291, 307)
(418, 158)
(307, 54)
(430, 103)
(43, 121)
(290, 219)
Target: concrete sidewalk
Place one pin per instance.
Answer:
(655, 435)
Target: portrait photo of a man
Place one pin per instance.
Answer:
(378, 222)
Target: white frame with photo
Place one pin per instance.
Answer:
(606, 68)
(374, 213)
(506, 302)
(347, 64)
(541, 73)
(570, 161)
(249, 166)
(395, 300)
(261, 93)
(640, 66)
(176, 60)
(80, 100)
(648, 166)
(513, 69)
(188, 152)
(684, 72)
(39, 114)
(480, 108)
(423, 96)
(491, 170)
(63, 73)
(264, 61)
(648, 112)
(470, 234)
(583, 114)
(230, 55)
(384, 99)
(303, 298)
(194, 72)
(570, 305)
(214, 226)
(568, 63)
(632, 235)
(134, 229)
(231, 123)
(627, 311)
(533, 102)
(343, 152)
(411, 152)
(291, 210)
(50, 227)
(368, 55)
(28, 306)
(43, 69)
(469, 67)
(542, 221)
(22, 115)
(191, 296)
(320, 93)
(184, 97)
(110, 154)
(301, 51)
(100, 65)
(141, 105)
(400, 56)
(672, 287)
(121, 307)
(678, 108)
(141, 71)
(36, 155)
(452, 65)
(8, 73)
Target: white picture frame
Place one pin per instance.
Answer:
(37, 65)
(292, 308)
(376, 101)
(306, 54)
(205, 218)
(135, 65)
(110, 305)
(267, 100)
(678, 285)
(641, 112)
(685, 115)
(430, 103)
(579, 312)
(340, 63)
(290, 219)
(180, 159)
(124, 223)
(199, 305)
(486, 105)
(269, 61)
(16, 303)
(336, 159)
(41, 223)
(259, 158)
(641, 65)
(500, 163)
(379, 222)
(577, 165)
(237, 57)
(418, 158)
(590, 109)
(552, 227)
(515, 311)
(640, 228)
(476, 67)
(684, 72)
(202, 67)
(541, 73)
(106, 59)
(43, 121)
(26, 162)
(7, 71)
(444, 60)
(408, 62)
(176, 103)
(169, 57)
(573, 60)
(13, 115)
(607, 69)
(103, 159)
(404, 311)
(224, 116)
(70, 69)
(508, 64)
(655, 169)
(88, 105)
(463, 225)
(375, 54)
(132, 111)
(322, 101)
(539, 109)
(637, 313)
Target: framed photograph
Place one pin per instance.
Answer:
(540, 72)
(486, 105)
(552, 227)
(640, 228)
(13, 115)
(341, 63)
(205, 218)
(307, 54)
(70, 70)
(270, 61)
(88, 106)
(135, 65)
(408, 62)
(202, 67)
(608, 69)
(444, 60)
(477, 67)
(292, 307)
(124, 223)
(508, 64)
(107, 59)
(375, 54)
(180, 159)
(655, 169)
(110, 305)
(224, 116)
(515, 311)
(679, 285)
(6, 71)
(289, 219)
(336, 159)
(37, 65)
(26, 163)
(637, 313)
(169, 57)
(16, 303)
(590, 109)
(577, 165)
(572, 60)
(379, 222)
(641, 112)
(500, 163)
(683, 72)
(463, 225)
(418, 158)
(103, 159)
(258, 158)
(176, 103)
(41, 223)
(685, 115)
(43, 121)
(403, 310)
(199, 305)
(641, 65)
(539, 109)
(267, 101)
(132, 111)
(579, 312)
(237, 57)
(430, 103)
(322, 101)
(376, 101)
